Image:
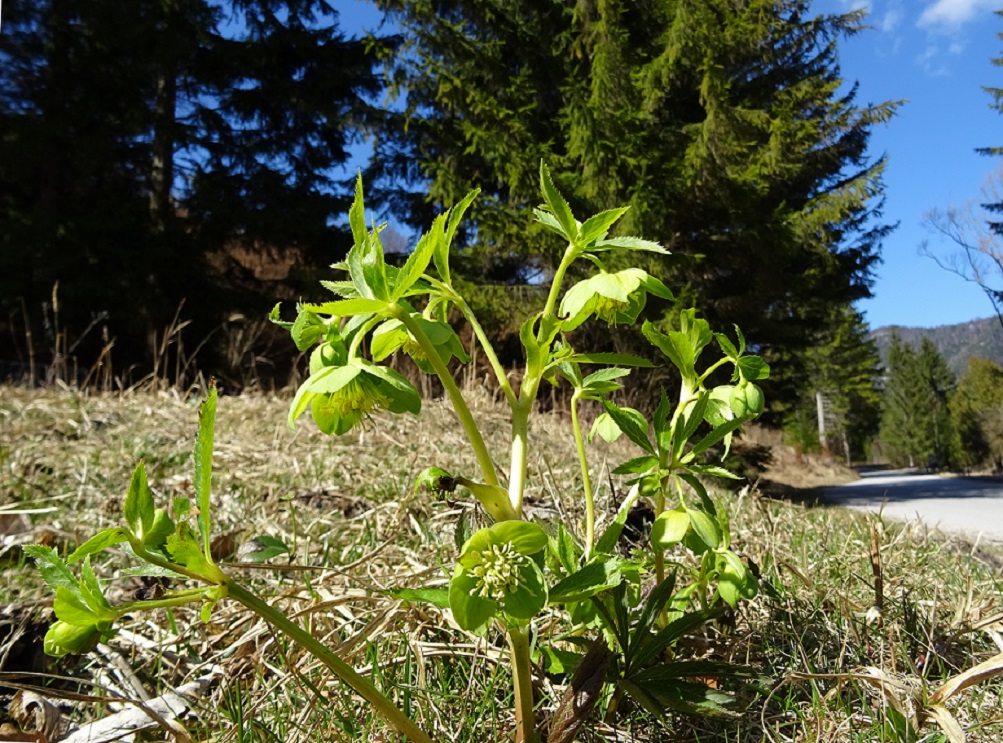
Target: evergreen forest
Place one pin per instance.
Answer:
(171, 170)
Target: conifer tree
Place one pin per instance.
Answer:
(915, 422)
(723, 124)
(976, 409)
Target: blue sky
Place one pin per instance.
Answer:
(936, 55)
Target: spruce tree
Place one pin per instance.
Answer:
(723, 124)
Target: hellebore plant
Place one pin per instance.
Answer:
(511, 573)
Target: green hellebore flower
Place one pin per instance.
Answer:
(341, 396)
(392, 336)
(496, 574)
(64, 638)
(613, 297)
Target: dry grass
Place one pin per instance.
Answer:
(346, 508)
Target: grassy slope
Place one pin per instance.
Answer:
(346, 504)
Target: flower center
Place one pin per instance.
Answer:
(498, 572)
(359, 395)
(607, 309)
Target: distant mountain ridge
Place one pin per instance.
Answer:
(956, 343)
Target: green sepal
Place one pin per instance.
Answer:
(669, 528)
(705, 527)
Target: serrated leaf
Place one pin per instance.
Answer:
(713, 471)
(596, 226)
(441, 253)
(357, 214)
(631, 423)
(420, 257)
(90, 590)
(161, 528)
(596, 576)
(726, 345)
(70, 607)
(307, 329)
(138, 506)
(435, 596)
(202, 481)
(717, 434)
(706, 528)
(98, 543)
(606, 544)
(624, 359)
(347, 307)
(637, 466)
(629, 243)
(54, 571)
(184, 549)
(753, 368)
(263, 548)
(558, 206)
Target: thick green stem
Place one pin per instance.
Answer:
(363, 686)
(555, 287)
(522, 680)
(517, 460)
(455, 396)
(590, 506)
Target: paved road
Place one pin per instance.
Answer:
(967, 506)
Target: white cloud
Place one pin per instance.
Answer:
(891, 20)
(949, 15)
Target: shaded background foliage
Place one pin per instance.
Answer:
(194, 150)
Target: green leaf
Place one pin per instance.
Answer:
(203, 467)
(624, 359)
(70, 607)
(669, 528)
(568, 551)
(605, 427)
(264, 547)
(162, 528)
(631, 423)
(357, 215)
(441, 253)
(637, 466)
(98, 543)
(435, 596)
(606, 544)
(605, 375)
(183, 547)
(685, 697)
(54, 571)
(348, 307)
(275, 317)
(718, 433)
(713, 471)
(726, 345)
(652, 646)
(753, 368)
(629, 243)
(307, 329)
(596, 576)
(596, 226)
(90, 590)
(705, 527)
(674, 345)
(549, 221)
(558, 206)
(419, 259)
(138, 507)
